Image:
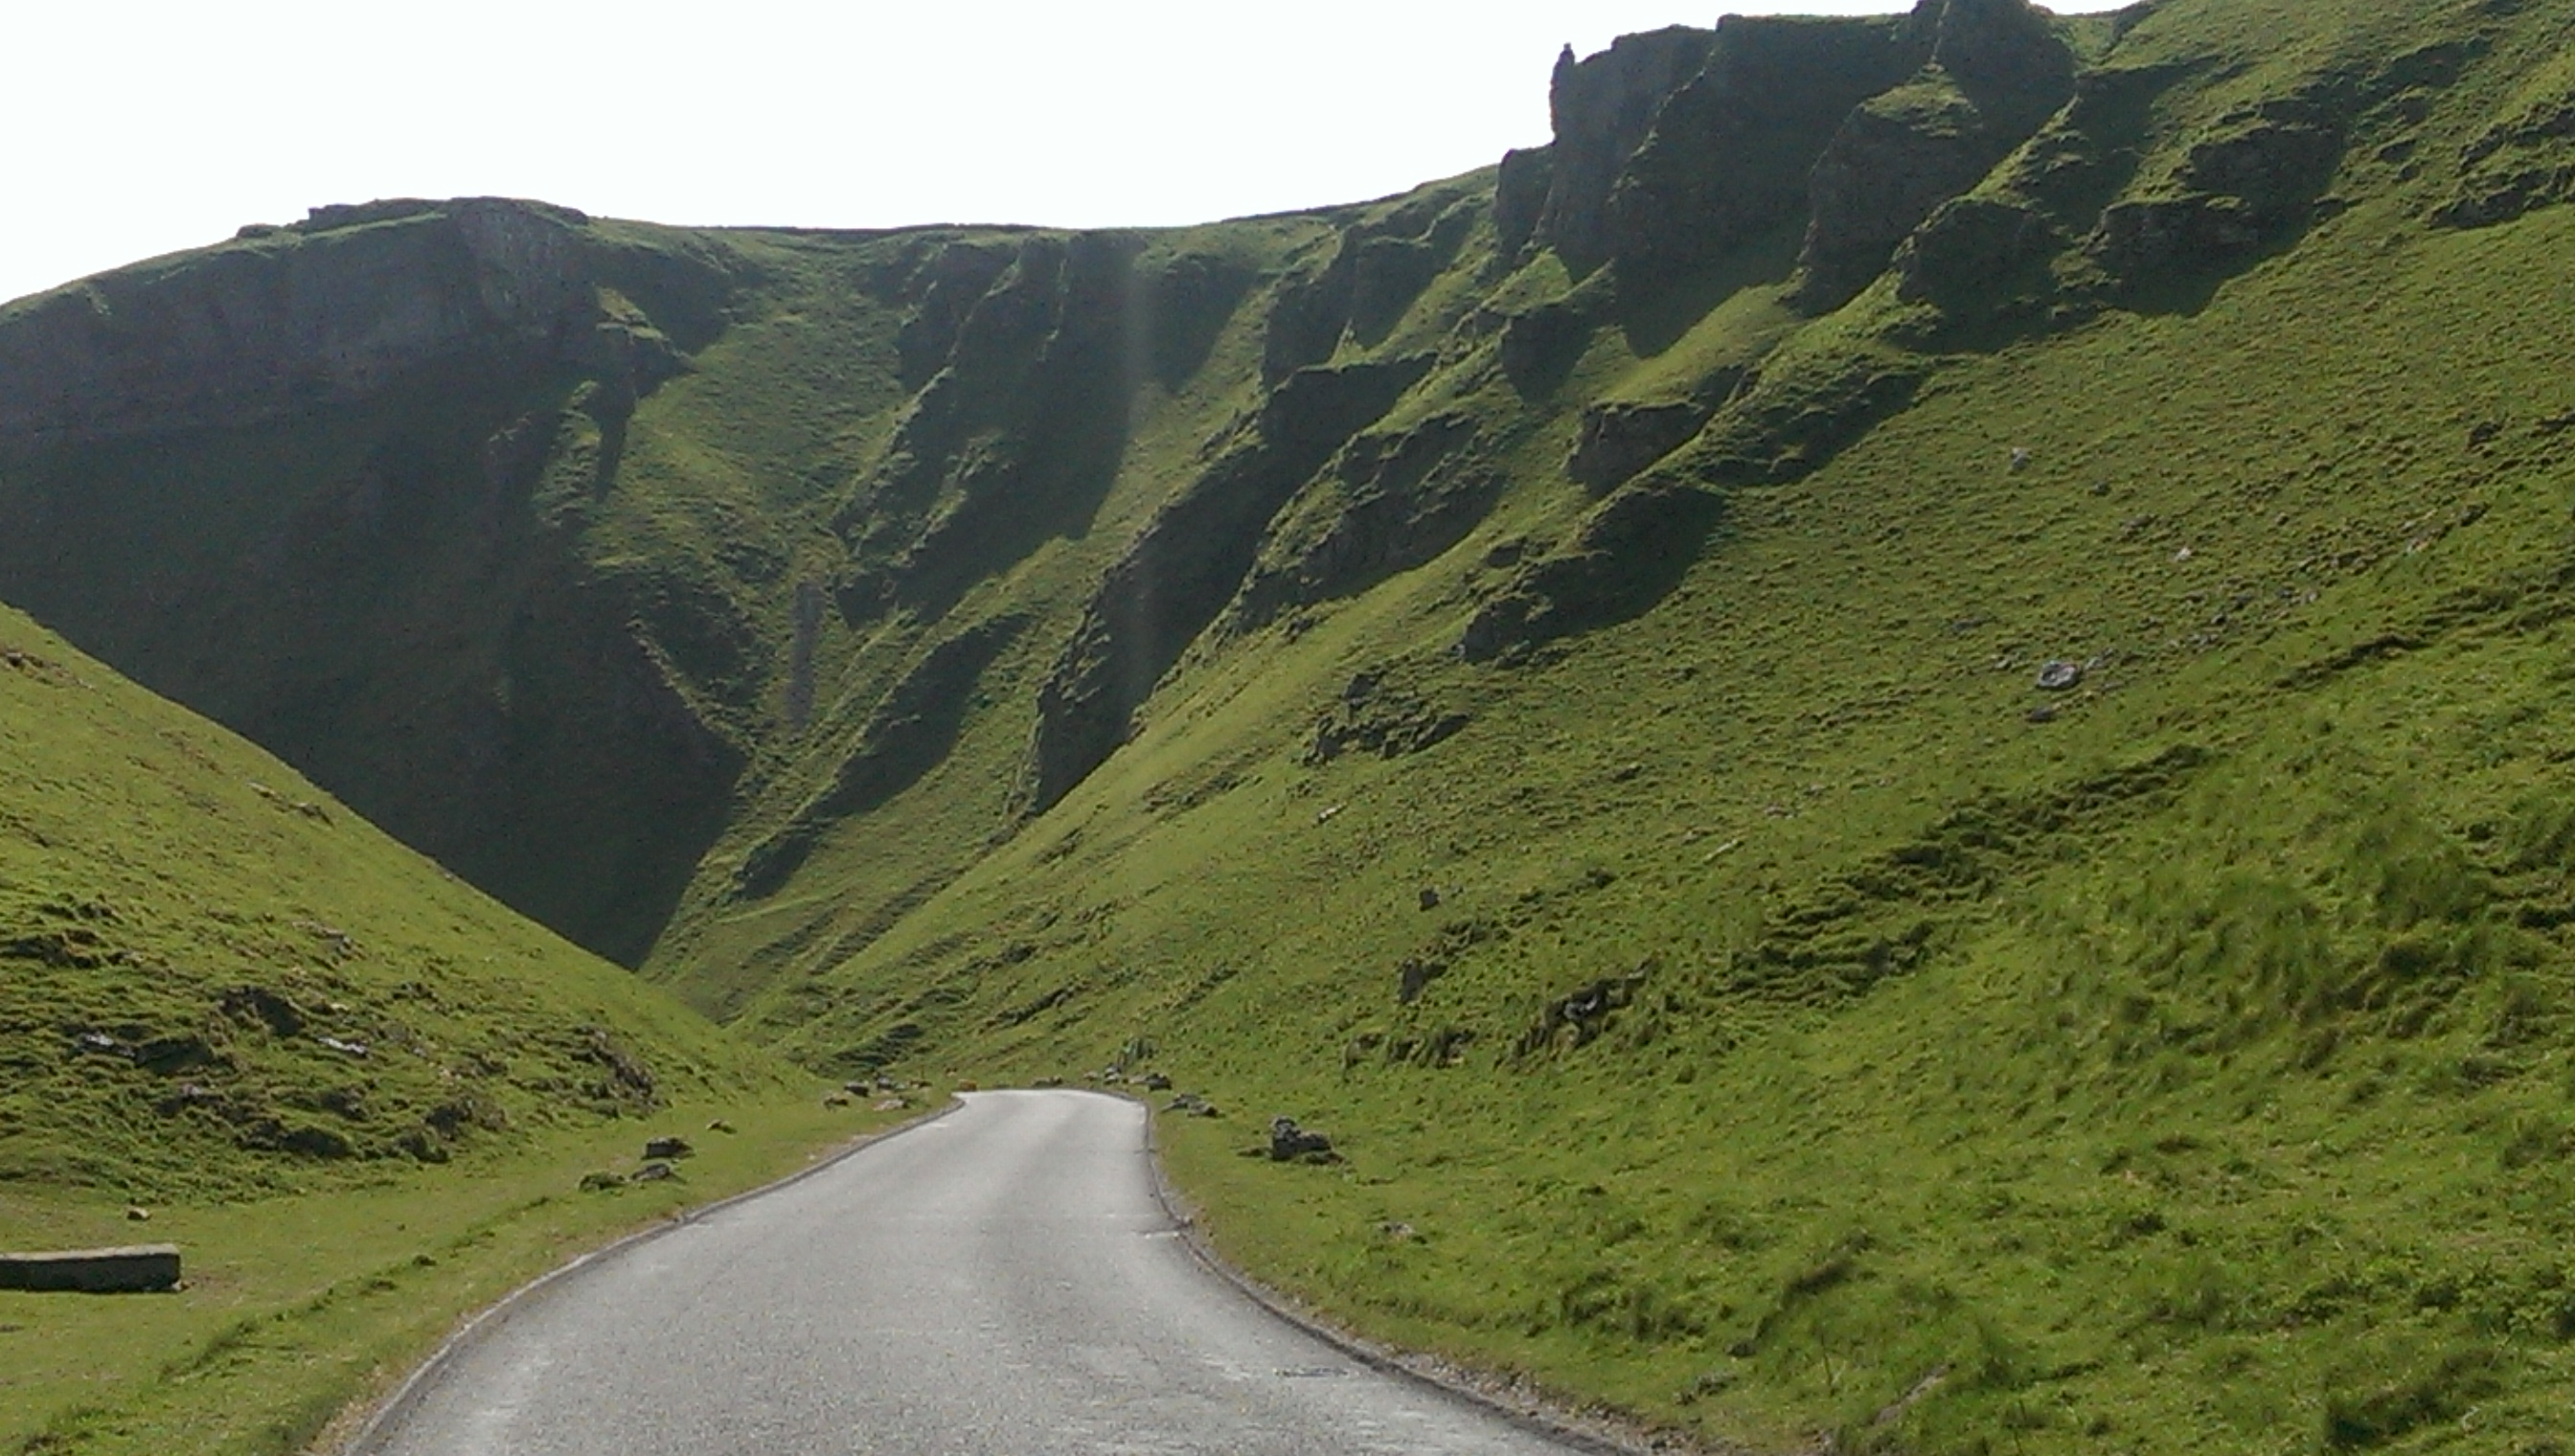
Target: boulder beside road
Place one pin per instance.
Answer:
(141, 1268)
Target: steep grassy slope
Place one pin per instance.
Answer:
(221, 981)
(2171, 1061)
(1882, 735)
(360, 1094)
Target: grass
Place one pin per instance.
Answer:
(360, 1096)
(1773, 1011)
(296, 1307)
(2170, 1074)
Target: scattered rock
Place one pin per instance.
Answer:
(258, 1004)
(1292, 1143)
(601, 1183)
(1708, 1383)
(893, 1104)
(2044, 712)
(2060, 677)
(1415, 974)
(345, 1048)
(1586, 1011)
(654, 1173)
(668, 1147)
(1396, 1230)
(1157, 1082)
(1429, 898)
(719, 1125)
(138, 1216)
(836, 1100)
(1192, 1105)
(1055, 1082)
(1390, 725)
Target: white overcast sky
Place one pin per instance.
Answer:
(139, 127)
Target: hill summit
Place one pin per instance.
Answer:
(1879, 736)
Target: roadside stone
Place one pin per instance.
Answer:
(1193, 1105)
(668, 1147)
(654, 1173)
(144, 1269)
(1289, 1142)
(1157, 1082)
(601, 1183)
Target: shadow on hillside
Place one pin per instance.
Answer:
(1656, 314)
(912, 732)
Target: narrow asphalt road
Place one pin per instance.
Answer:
(1000, 1282)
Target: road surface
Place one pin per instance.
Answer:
(999, 1282)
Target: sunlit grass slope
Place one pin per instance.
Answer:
(222, 983)
(359, 1094)
(1781, 1016)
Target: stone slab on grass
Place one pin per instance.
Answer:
(137, 1269)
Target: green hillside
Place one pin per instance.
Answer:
(360, 1094)
(1881, 736)
(222, 983)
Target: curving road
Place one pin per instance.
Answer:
(999, 1282)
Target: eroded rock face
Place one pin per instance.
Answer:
(1602, 108)
(1676, 149)
(1388, 503)
(2255, 179)
(1621, 437)
(1184, 568)
(1970, 245)
(2516, 168)
(327, 312)
(1997, 72)
(1727, 158)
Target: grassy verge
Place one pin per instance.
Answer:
(300, 1311)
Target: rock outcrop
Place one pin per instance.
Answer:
(327, 312)
(1623, 437)
(1602, 108)
(1185, 566)
(1998, 71)
(1727, 158)
(1676, 149)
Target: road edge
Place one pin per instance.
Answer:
(482, 1322)
(1599, 1430)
